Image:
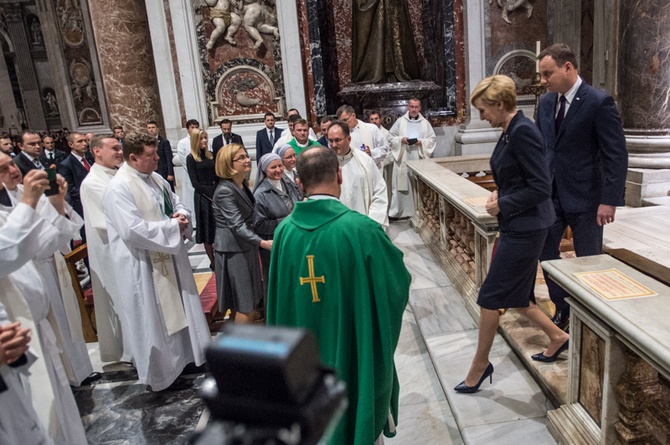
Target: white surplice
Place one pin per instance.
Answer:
(402, 197)
(368, 134)
(159, 357)
(181, 176)
(114, 346)
(363, 188)
(23, 293)
(19, 423)
(63, 301)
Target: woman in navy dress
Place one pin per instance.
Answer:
(525, 212)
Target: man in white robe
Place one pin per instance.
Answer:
(363, 188)
(411, 138)
(114, 346)
(62, 299)
(146, 225)
(25, 299)
(364, 137)
(375, 118)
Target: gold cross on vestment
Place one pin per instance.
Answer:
(162, 257)
(312, 280)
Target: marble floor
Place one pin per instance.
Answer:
(436, 345)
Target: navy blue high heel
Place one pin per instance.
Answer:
(463, 388)
(551, 358)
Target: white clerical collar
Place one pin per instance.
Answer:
(301, 145)
(346, 158)
(106, 169)
(322, 197)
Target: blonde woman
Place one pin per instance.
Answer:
(238, 271)
(200, 167)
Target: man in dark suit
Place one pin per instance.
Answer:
(30, 144)
(226, 137)
(51, 155)
(74, 169)
(165, 167)
(587, 158)
(266, 138)
(6, 145)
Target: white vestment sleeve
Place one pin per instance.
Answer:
(428, 141)
(122, 213)
(394, 139)
(380, 149)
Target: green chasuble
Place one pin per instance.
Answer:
(336, 272)
(298, 149)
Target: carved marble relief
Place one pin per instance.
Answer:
(241, 57)
(77, 55)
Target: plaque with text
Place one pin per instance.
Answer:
(612, 284)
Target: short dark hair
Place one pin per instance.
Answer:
(117, 127)
(374, 112)
(293, 118)
(343, 126)
(192, 122)
(561, 53)
(301, 121)
(317, 166)
(328, 118)
(292, 109)
(225, 121)
(134, 143)
(152, 123)
(268, 114)
(25, 132)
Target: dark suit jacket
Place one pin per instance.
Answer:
(588, 159)
(263, 145)
(74, 173)
(218, 142)
(23, 163)
(522, 177)
(165, 167)
(59, 156)
(234, 216)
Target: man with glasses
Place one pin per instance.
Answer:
(363, 188)
(365, 137)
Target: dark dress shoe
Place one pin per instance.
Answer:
(94, 377)
(562, 318)
(179, 385)
(465, 389)
(551, 358)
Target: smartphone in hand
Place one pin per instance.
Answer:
(53, 185)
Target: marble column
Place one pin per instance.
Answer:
(30, 92)
(123, 42)
(476, 136)
(644, 81)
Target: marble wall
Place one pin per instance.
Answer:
(242, 68)
(126, 61)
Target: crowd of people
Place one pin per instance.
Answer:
(283, 249)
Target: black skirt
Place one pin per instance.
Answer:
(511, 278)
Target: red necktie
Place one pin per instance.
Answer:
(87, 166)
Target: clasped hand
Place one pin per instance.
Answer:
(492, 204)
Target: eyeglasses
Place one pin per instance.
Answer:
(345, 119)
(335, 141)
(241, 158)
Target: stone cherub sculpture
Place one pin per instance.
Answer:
(512, 5)
(225, 20)
(254, 16)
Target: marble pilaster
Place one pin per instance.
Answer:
(123, 42)
(294, 79)
(644, 81)
(32, 100)
(8, 109)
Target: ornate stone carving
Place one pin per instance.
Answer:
(256, 17)
(71, 22)
(657, 417)
(512, 5)
(635, 392)
(242, 90)
(49, 97)
(36, 38)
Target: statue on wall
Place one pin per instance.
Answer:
(36, 32)
(512, 5)
(52, 104)
(258, 18)
(383, 47)
(225, 20)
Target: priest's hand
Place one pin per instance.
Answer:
(266, 244)
(182, 220)
(366, 150)
(58, 201)
(13, 342)
(35, 182)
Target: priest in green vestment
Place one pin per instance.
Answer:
(337, 273)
